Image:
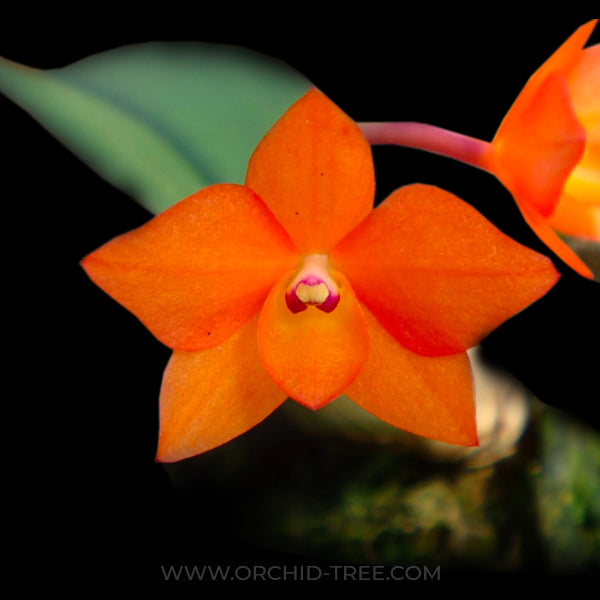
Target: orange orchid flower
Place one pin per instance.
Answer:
(293, 286)
(546, 151)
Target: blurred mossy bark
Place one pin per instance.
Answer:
(340, 500)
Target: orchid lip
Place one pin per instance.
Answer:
(313, 286)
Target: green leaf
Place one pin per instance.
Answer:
(159, 120)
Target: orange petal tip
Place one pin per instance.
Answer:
(432, 397)
(314, 170)
(439, 294)
(210, 397)
(185, 273)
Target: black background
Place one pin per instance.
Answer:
(83, 375)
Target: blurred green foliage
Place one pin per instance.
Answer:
(159, 120)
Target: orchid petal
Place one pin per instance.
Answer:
(538, 145)
(543, 230)
(199, 270)
(314, 170)
(547, 143)
(436, 274)
(584, 83)
(573, 217)
(312, 355)
(565, 58)
(428, 396)
(209, 397)
(584, 182)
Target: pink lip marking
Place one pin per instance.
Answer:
(313, 286)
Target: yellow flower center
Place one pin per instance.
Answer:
(313, 286)
(312, 294)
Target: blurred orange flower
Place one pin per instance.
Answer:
(547, 149)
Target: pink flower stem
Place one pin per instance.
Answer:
(430, 138)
